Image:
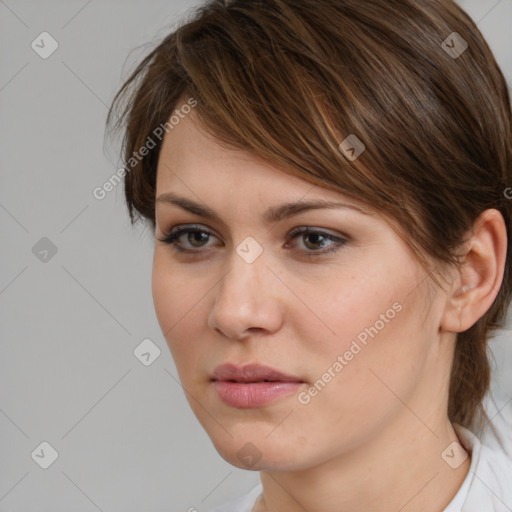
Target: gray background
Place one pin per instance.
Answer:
(125, 436)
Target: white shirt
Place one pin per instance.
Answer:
(486, 488)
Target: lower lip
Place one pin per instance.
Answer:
(254, 394)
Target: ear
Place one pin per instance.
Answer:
(481, 273)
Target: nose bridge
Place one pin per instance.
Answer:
(245, 297)
(243, 283)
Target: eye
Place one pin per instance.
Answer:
(192, 238)
(314, 238)
(195, 236)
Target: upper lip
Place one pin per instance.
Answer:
(251, 373)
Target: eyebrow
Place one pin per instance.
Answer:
(272, 215)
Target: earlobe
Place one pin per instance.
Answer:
(481, 273)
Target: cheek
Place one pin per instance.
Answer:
(165, 286)
(177, 300)
(354, 386)
(177, 290)
(370, 336)
(359, 303)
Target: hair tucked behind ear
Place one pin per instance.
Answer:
(289, 80)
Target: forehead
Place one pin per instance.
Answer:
(192, 162)
(189, 149)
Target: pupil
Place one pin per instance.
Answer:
(315, 237)
(195, 235)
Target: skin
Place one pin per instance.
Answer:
(372, 438)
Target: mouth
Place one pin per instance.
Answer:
(253, 385)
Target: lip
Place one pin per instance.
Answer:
(252, 385)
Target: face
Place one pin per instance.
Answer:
(341, 314)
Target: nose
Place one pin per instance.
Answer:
(247, 300)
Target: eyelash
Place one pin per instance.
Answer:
(172, 237)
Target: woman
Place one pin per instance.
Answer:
(326, 183)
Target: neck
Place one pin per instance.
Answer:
(400, 469)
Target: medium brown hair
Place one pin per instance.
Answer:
(289, 80)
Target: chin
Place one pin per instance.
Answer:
(253, 450)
